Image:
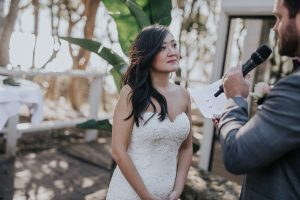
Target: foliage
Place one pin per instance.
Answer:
(109, 55)
(10, 81)
(197, 37)
(93, 124)
(130, 16)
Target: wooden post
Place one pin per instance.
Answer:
(12, 136)
(94, 100)
(7, 162)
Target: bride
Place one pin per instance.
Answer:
(151, 136)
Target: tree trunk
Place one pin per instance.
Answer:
(7, 29)
(36, 5)
(83, 57)
(51, 92)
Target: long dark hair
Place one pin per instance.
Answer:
(293, 6)
(145, 47)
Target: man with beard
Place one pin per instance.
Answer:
(267, 147)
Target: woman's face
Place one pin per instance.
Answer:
(166, 60)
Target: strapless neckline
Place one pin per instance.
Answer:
(167, 117)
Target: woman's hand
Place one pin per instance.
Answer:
(174, 195)
(216, 120)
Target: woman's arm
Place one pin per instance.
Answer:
(121, 134)
(185, 154)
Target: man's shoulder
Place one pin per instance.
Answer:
(286, 91)
(292, 80)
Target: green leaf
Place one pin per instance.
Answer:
(132, 15)
(127, 25)
(196, 147)
(10, 81)
(138, 14)
(103, 125)
(117, 78)
(158, 11)
(96, 47)
(118, 63)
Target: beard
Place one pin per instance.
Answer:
(289, 42)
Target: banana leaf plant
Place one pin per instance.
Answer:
(130, 16)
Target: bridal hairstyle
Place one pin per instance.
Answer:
(293, 6)
(143, 51)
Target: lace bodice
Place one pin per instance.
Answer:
(153, 150)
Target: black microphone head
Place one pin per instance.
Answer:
(261, 54)
(264, 51)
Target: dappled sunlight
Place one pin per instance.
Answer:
(24, 177)
(51, 174)
(46, 169)
(38, 175)
(41, 193)
(36, 193)
(102, 140)
(18, 165)
(64, 165)
(53, 163)
(98, 195)
(87, 182)
(59, 184)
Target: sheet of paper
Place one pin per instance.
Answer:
(209, 105)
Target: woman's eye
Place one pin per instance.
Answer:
(163, 48)
(175, 45)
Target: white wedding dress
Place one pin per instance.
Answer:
(153, 150)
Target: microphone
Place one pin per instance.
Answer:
(258, 57)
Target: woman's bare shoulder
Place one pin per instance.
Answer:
(182, 91)
(124, 97)
(126, 90)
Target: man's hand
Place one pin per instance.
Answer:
(235, 84)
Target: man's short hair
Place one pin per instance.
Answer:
(293, 6)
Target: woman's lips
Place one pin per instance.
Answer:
(172, 61)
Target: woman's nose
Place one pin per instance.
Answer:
(171, 51)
